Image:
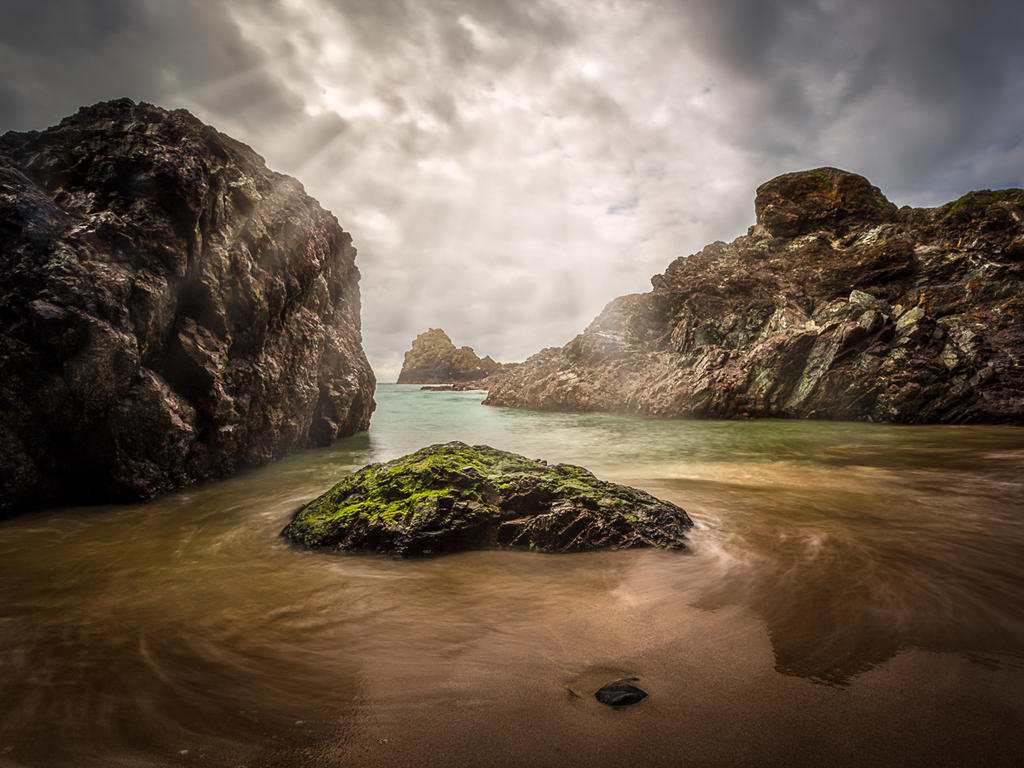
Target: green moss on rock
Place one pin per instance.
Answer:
(454, 497)
(985, 197)
(824, 178)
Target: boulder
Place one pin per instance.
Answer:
(452, 497)
(797, 203)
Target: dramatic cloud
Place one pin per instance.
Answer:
(506, 168)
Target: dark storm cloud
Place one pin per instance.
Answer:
(60, 54)
(937, 80)
(506, 168)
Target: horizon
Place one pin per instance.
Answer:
(505, 171)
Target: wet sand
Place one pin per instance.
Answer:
(492, 659)
(852, 598)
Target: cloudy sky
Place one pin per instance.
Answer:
(506, 168)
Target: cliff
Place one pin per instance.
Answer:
(835, 305)
(171, 310)
(433, 359)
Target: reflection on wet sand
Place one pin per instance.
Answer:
(880, 563)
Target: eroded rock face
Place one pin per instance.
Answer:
(836, 305)
(434, 359)
(454, 497)
(171, 310)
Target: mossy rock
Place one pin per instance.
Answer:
(977, 201)
(453, 497)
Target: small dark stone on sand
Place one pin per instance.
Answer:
(620, 693)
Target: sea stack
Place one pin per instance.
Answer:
(171, 310)
(835, 305)
(434, 359)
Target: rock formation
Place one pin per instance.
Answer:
(171, 310)
(835, 305)
(453, 497)
(433, 359)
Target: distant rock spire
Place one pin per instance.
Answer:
(434, 359)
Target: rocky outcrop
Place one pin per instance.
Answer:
(835, 305)
(433, 359)
(171, 310)
(453, 497)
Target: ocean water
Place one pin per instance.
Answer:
(852, 595)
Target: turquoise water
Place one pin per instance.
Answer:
(852, 596)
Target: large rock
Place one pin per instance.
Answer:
(836, 305)
(453, 497)
(434, 359)
(171, 310)
(826, 198)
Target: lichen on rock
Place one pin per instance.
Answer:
(452, 497)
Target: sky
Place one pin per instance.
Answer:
(507, 168)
